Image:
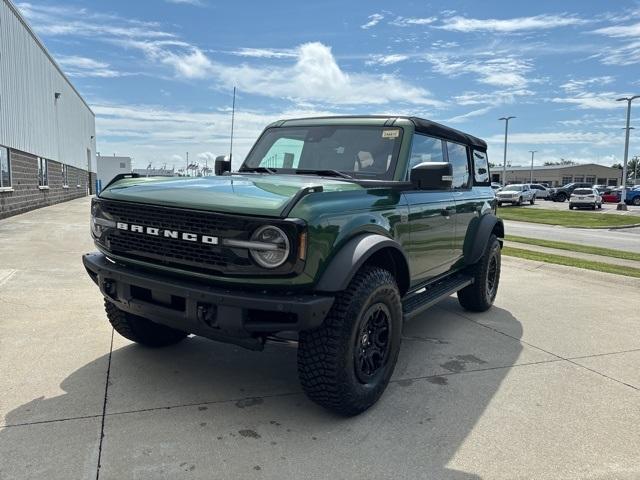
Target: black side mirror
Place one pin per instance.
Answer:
(432, 176)
(221, 165)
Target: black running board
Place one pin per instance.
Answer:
(415, 303)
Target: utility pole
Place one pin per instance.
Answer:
(233, 115)
(531, 172)
(504, 163)
(623, 194)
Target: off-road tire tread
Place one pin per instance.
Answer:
(321, 352)
(473, 297)
(140, 330)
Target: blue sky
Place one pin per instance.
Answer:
(159, 74)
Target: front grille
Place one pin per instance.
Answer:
(176, 252)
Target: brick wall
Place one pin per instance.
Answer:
(26, 195)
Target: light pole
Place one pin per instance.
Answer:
(623, 195)
(504, 162)
(531, 171)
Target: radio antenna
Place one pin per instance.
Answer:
(233, 114)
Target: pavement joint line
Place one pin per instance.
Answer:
(546, 351)
(104, 406)
(286, 394)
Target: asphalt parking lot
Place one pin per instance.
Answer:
(607, 208)
(543, 386)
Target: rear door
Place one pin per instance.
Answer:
(467, 201)
(431, 217)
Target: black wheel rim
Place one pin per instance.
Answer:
(372, 342)
(492, 276)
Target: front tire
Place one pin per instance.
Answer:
(519, 201)
(561, 198)
(636, 201)
(479, 296)
(532, 201)
(345, 364)
(570, 207)
(140, 330)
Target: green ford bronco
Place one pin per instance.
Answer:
(332, 233)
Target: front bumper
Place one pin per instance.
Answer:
(233, 316)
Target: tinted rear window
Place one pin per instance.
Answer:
(583, 191)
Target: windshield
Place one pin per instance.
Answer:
(512, 188)
(356, 151)
(583, 191)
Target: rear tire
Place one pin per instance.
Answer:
(345, 364)
(562, 197)
(140, 330)
(479, 296)
(636, 201)
(593, 207)
(570, 207)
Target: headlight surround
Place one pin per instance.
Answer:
(274, 249)
(98, 223)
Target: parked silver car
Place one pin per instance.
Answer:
(541, 190)
(516, 194)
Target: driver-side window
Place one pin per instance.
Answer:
(424, 149)
(284, 153)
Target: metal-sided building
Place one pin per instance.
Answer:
(109, 167)
(47, 130)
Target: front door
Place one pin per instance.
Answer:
(431, 218)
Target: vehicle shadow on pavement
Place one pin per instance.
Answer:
(193, 401)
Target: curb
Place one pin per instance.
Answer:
(613, 227)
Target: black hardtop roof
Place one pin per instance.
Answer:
(422, 125)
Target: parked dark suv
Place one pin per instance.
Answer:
(333, 232)
(563, 193)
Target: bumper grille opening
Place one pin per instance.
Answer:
(257, 317)
(173, 302)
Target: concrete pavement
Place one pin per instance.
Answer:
(545, 385)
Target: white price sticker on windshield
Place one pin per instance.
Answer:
(395, 133)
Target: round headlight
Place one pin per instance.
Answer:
(276, 246)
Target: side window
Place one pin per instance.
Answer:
(480, 168)
(5, 168)
(459, 164)
(284, 153)
(425, 149)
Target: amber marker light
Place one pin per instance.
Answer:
(302, 246)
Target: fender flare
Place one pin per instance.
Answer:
(478, 235)
(353, 255)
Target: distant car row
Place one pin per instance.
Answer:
(520, 193)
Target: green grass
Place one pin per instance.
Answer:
(571, 262)
(574, 247)
(567, 218)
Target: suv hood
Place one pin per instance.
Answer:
(253, 194)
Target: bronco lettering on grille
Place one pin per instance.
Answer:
(159, 232)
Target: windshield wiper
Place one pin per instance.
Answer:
(324, 173)
(259, 170)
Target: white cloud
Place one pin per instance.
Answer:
(317, 77)
(502, 71)
(409, 21)
(77, 66)
(373, 21)
(510, 25)
(578, 94)
(597, 138)
(498, 97)
(195, 3)
(464, 117)
(628, 53)
(264, 53)
(386, 59)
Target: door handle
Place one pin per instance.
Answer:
(446, 212)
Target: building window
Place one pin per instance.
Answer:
(590, 179)
(578, 178)
(459, 164)
(613, 182)
(65, 175)
(5, 168)
(602, 181)
(43, 172)
(566, 180)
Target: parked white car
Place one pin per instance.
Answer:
(585, 198)
(541, 190)
(516, 194)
